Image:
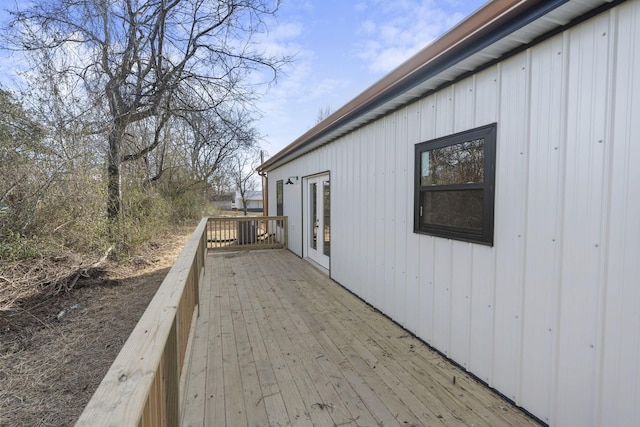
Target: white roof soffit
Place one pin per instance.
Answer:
(554, 19)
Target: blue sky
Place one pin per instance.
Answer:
(342, 47)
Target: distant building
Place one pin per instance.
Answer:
(253, 199)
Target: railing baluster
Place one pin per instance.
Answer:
(234, 233)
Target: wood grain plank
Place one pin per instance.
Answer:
(336, 333)
(234, 405)
(215, 391)
(297, 411)
(329, 397)
(460, 403)
(314, 404)
(253, 403)
(304, 351)
(465, 399)
(270, 391)
(330, 370)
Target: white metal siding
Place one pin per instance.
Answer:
(583, 221)
(550, 315)
(544, 197)
(619, 351)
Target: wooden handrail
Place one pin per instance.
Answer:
(145, 384)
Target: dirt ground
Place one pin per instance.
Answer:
(55, 351)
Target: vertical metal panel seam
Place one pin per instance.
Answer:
(593, 193)
(368, 224)
(432, 240)
(381, 160)
(350, 190)
(356, 193)
(346, 200)
(365, 198)
(432, 263)
(413, 244)
(369, 160)
(491, 381)
(628, 144)
(391, 198)
(449, 289)
(560, 221)
(401, 206)
(411, 218)
(467, 362)
(452, 125)
(527, 164)
(474, 85)
(606, 185)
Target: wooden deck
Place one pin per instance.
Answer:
(278, 343)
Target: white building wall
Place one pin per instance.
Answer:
(618, 340)
(550, 315)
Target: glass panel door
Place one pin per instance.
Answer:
(313, 199)
(317, 244)
(326, 235)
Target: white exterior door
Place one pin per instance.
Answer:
(318, 219)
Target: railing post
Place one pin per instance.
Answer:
(286, 232)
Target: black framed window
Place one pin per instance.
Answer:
(279, 198)
(455, 184)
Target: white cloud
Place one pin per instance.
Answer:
(368, 27)
(360, 6)
(405, 27)
(286, 105)
(281, 39)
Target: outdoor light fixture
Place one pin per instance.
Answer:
(289, 182)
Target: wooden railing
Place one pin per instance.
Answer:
(247, 232)
(146, 382)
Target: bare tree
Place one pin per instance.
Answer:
(242, 171)
(144, 61)
(323, 113)
(215, 138)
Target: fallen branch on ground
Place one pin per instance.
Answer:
(44, 276)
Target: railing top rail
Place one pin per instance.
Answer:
(121, 396)
(248, 218)
(247, 233)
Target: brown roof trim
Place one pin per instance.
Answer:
(486, 19)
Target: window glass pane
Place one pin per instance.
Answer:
(455, 164)
(279, 198)
(326, 235)
(314, 216)
(453, 208)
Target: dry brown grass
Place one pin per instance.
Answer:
(24, 280)
(55, 347)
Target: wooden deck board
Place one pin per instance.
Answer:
(278, 343)
(214, 414)
(328, 402)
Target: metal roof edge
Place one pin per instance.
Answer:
(490, 23)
